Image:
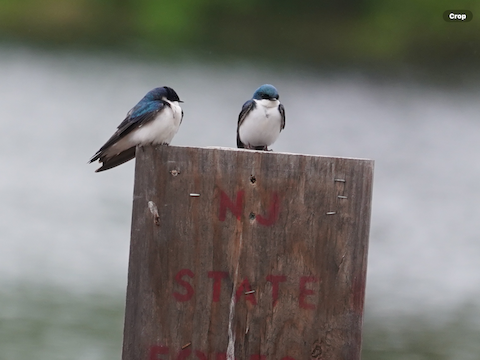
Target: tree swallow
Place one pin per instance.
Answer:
(261, 119)
(154, 120)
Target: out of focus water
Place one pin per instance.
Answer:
(64, 230)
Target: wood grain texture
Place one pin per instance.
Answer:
(292, 228)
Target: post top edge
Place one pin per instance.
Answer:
(222, 148)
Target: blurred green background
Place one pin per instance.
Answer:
(364, 33)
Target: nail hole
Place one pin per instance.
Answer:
(252, 216)
(253, 179)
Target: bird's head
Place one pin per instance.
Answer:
(266, 92)
(162, 93)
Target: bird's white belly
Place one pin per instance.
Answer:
(160, 130)
(261, 127)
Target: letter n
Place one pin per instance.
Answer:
(225, 203)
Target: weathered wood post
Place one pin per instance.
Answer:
(246, 255)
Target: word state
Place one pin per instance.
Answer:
(244, 289)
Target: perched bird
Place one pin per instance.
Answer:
(261, 119)
(154, 120)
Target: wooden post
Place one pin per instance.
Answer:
(246, 254)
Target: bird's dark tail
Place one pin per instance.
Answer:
(95, 157)
(116, 160)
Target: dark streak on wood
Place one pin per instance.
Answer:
(303, 241)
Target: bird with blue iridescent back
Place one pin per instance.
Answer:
(153, 121)
(261, 119)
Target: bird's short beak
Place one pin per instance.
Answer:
(180, 101)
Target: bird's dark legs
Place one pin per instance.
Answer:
(260, 147)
